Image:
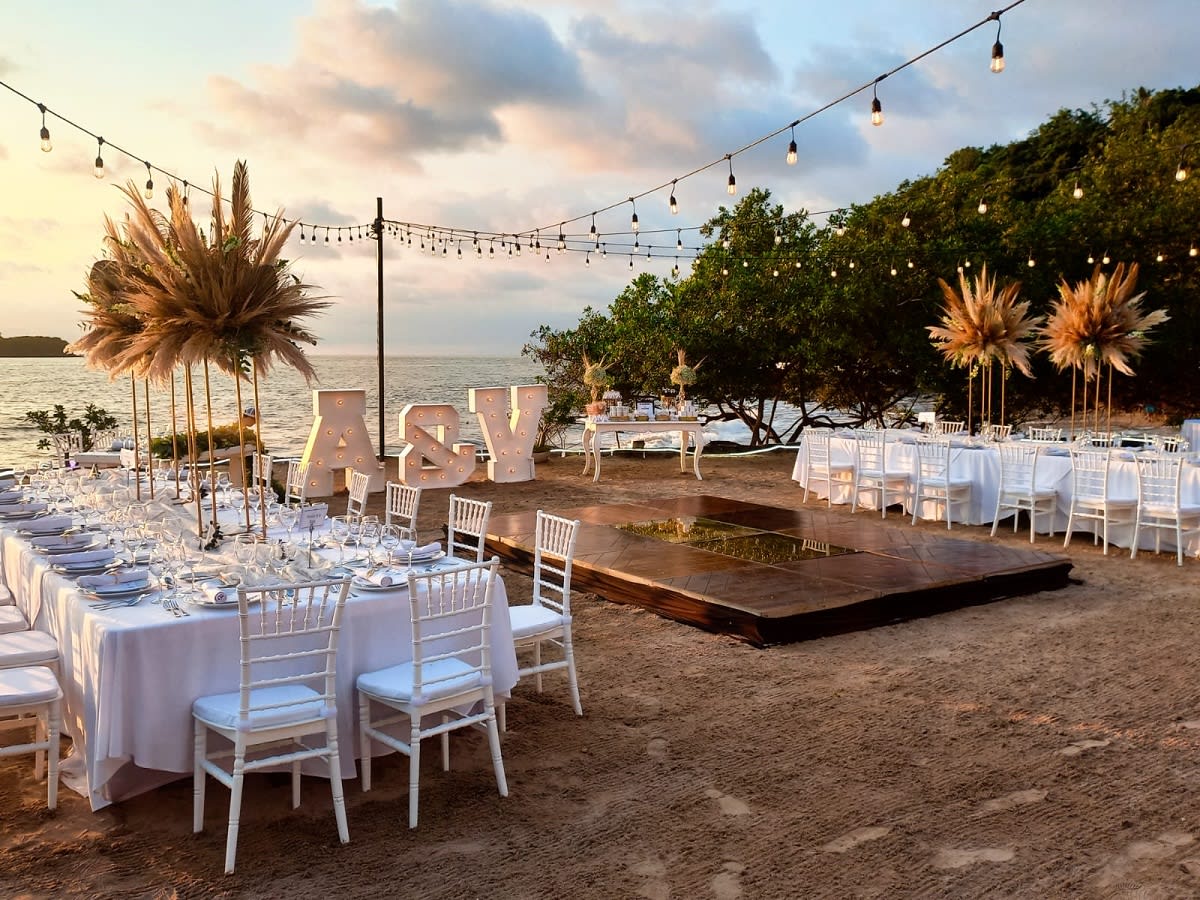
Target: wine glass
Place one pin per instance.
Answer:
(288, 517)
(339, 531)
(245, 547)
(389, 540)
(369, 536)
(161, 565)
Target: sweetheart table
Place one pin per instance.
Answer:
(592, 432)
(129, 674)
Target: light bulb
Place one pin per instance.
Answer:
(631, 260)
(675, 269)
(673, 203)
(44, 134)
(1105, 258)
(1159, 257)
(876, 112)
(893, 270)
(778, 238)
(1078, 192)
(1181, 173)
(587, 259)
(791, 154)
(633, 221)
(731, 186)
(149, 192)
(593, 233)
(1030, 262)
(1192, 250)
(840, 230)
(997, 65)
(745, 263)
(562, 240)
(678, 239)
(98, 171)
(1091, 259)
(724, 271)
(906, 221)
(775, 272)
(983, 207)
(910, 264)
(967, 264)
(833, 272)
(724, 243)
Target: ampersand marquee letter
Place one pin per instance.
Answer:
(508, 418)
(431, 430)
(339, 440)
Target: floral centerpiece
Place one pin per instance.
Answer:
(595, 376)
(683, 376)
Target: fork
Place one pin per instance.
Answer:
(172, 605)
(127, 601)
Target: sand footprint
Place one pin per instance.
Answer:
(1116, 871)
(956, 859)
(852, 839)
(655, 886)
(656, 748)
(730, 806)
(1079, 746)
(1008, 801)
(727, 885)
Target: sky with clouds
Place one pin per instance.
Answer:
(503, 117)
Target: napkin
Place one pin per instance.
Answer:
(240, 575)
(417, 552)
(83, 557)
(218, 594)
(299, 572)
(385, 577)
(21, 506)
(109, 579)
(11, 495)
(50, 524)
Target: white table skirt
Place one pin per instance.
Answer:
(981, 466)
(129, 676)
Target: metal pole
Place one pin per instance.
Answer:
(377, 227)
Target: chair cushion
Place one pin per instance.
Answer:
(27, 648)
(443, 678)
(12, 620)
(529, 620)
(1186, 511)
(222, 710)
(6, 597)
(27, 685)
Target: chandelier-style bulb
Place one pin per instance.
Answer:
(906, 221)
(149, 192)
(876, 112)
(1078, 192)
(673, 204)
(45, 132)
(983, 207)
(99, 169)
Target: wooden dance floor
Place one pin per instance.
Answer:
(772, 575)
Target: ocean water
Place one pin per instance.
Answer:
(284, 398)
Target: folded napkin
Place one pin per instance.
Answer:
(386, 577)
(50, 524)
(83, 557)
(110, 579)
(22, 506)
(11, 495)
(300, 572)
(418, 552)
(235, 576)
(218, 594)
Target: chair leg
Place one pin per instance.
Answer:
(296, 783)
(537, 664)
(494, 744)
(572, 679)
(39, 737)
(335, 781)
(54, 727)
(199, 751)
(235, 806)
(502, 716)
(364, 739)
(445, 744)
(414, 770)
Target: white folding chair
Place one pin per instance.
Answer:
(933, 481)
(262, 466)
(819, 465)
(401, 504)
(1019, 489)
(1170, 443)
(1090, 495)
(289, 642)
(871, 472)
(1160, 501)
(1049, 435)
(296, 487)
(450, 674)
(356, 502)
(466, 528)
(947, 427)
(31, 698)
(995, 432)
(548, 618)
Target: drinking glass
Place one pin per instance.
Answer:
(369, 536)
(245, 548)
(339, 531)
(237, 499)
(288, 517)
(389, 540)
(161, 565)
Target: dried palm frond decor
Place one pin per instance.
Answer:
(984, 326)
(1098, 324)
(220, 297)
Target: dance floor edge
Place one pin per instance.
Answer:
(894, 571)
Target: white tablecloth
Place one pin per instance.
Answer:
(129, 676)
(981, 465)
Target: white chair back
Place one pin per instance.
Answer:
(1173, 443)
(553, 555)
(466, 528)
(451, 613)
(995, 432)
(944, 427)
(1160, 501)
(262, 467)
(356, 502)
(1018, 467)
(1044, 434)
(402, 503)
(296, 489)
(1089, 473)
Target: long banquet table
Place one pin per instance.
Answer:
(980, 464)
(129, 675)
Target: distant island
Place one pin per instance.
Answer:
(31, 345)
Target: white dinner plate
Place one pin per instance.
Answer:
(91, 568)
(124, 589)
(363, 584)
(15, 514)
(33, 529)
(423, 558)
(89, 542)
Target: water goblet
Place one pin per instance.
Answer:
(245, 546)
(160, 567)
(369, 536)
(288, 517)
(389, 540)
(339, 531)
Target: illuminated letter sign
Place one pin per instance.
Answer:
(431, 430)
(508, 418)
(339, 440)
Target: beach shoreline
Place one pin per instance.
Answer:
(1037, 746)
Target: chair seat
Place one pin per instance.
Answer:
(27, 648)
(6, 597)
(222, 710)
(840, 467)
(1111, 502)
(443, 678)
(1039, 494)
(955, 484)
(1186, 511)
(12, 620)
(27, 685)
(530, 619)
(897, 474)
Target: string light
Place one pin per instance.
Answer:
(910, 264)
(778, 237)
(593, 233)
(302, 232)
(99, 170)
(631, 260)
(587, 259)
(876, 106)
(633, 221)
(1031, 262)
(327, 237)
(1159, 257)
(840, 230)
(673, 204)
(1105, 258)
(1192, 250)
(45, 132)
(983, 207)
(725, 243)
(678, 238)
(562, 238)
(893, 270)
(731, 185)
(186, 191)
(997, 64)
(149, 192)
(1091, 259)
(906, 221)
(791, 153)
(340, 235)
(775, 272)
(675, 268)
(724, 270)
(1078, 192)
(1181, 171)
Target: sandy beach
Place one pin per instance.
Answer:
(1044, 746)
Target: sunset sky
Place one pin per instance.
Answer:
(503, 117)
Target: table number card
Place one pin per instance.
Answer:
(312, 516)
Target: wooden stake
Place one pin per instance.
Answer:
(137, 464)
(212, 459)
(263, 483)
(193, 453)
(237, 387)
(149, 431)
(174, 431)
